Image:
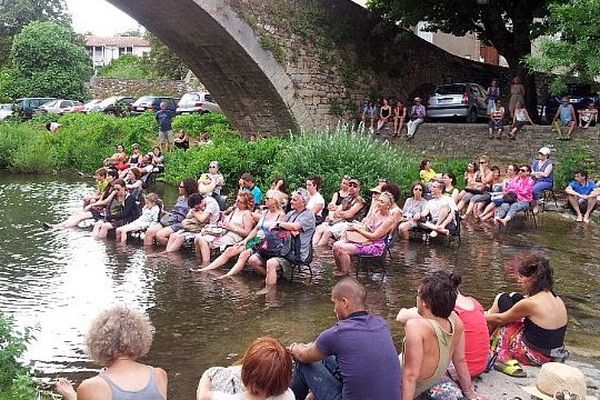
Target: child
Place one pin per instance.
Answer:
(101, 184)
(150, 216)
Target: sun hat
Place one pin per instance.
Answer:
(354, 180)
(545, 151)
(376, 189)
(555, 378)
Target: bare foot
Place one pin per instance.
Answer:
(586, 220)
(503, 221)
(579, 218)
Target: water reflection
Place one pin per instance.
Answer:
(60, 280)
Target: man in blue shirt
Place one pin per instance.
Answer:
(164, 118)
(583, 194)
(353, 360)
(247, 183)
(566, 113)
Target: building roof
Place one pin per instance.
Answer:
(116, 41)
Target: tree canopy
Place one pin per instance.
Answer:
(127, 66)
(164, 62)
(575, 48)
(15, 14)
(506, 24)
(49, 60)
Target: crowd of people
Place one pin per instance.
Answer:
(449, 340)
(375, 115)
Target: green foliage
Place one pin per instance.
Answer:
(210, 122)
(15, 14)
(164, 63)
(508, 27)
(14, 380)
(575, 50)
(332, 155)
(126, 66)
(49, 60)
(271, 43)
(573, 159)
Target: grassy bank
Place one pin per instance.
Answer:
(85, 140)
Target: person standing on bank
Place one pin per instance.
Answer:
(164, 117)
(353, 360)
(493, 93)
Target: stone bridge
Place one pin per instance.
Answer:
(282, 65)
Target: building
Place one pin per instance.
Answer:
(103, 50)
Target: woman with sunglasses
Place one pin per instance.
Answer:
(477, 183)
(121, 210)
(411, 210)
(522, 186)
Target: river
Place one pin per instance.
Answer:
(57, 282)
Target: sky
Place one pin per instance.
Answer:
(103, 19)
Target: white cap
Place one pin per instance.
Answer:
(545, 151)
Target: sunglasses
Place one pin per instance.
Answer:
(523, 169)
(417, 189)
(482, 162)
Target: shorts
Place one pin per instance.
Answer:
(165, 137)
(285, 264)
(520, 124)
(499, 125)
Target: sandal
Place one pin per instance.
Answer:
(510, 368)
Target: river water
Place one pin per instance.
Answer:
(57, 282)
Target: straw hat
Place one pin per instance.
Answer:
(556, 377)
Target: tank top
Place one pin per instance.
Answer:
(385, 112)
(237, 218)
(477, 337)
(340, 198)
(264, 224)
(150, 392)
(538, 166)
(493, 93)
(444, 340)
(520, 115)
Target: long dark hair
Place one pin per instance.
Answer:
(537, 267)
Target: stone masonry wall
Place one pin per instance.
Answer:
(106, 87)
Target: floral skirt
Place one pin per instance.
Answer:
(511, 345)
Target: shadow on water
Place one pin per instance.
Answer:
(59, 280)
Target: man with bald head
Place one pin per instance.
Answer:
(355, 359)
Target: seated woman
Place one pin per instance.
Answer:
(479, 200)
(588, 115)
(471, 176)
(150, 216)
(116, 340)
(133, 181)
(118, 160)
(136, 155)
(399, 113)
(95, 209)
(532, 327)
(316, 202)
(542, 173)
(182, 141)
(101, 183)
(263, 373)
(370, 238)
(520, 119)
(394, 190)
(204, 210)
(496, 198)
(477, 184)
(238, 225)
(121, 210)
(171, 222)
(216, 177)
(471, 313)
(411, 212)
(522, 187)
(280, 185)
(340, 216)
(158, 160)
(449, 180)
(427, 174)
(244, 249)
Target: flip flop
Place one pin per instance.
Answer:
(510, 368)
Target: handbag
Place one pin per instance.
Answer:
(510, 197)
(355, 237)
(192, 225)
(474, 190)
(277, 243)
(168, 219)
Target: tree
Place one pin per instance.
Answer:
(163, 62)
(131, 33)
(575, 49)
(509, 25)
(15, 14)
(49, 60)
(126, 66)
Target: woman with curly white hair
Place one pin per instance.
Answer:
(118, 338)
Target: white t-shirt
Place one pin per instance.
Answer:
(315, 200)
(288, 395)
(212, 207)
(435, 205)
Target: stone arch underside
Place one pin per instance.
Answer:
(252, 88)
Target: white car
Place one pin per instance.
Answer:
(60, 106)
(5, 111)
(197, 102)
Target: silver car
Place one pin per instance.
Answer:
(197, 102)
(463, 100)
(5, 111)
(60, 106)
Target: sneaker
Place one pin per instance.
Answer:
(433, 234)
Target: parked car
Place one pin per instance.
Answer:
(90, 105)
(27, 107)
(197, 102)
(152, 103)
(579, 96)
(60, 106)
(115, 105)
(461, 100)
(5, 111)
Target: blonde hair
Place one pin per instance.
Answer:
(277, 195)
(118, 332)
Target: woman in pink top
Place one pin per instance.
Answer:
(522, 187)
(477, 336)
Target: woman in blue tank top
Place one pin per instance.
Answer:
(118, 338)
